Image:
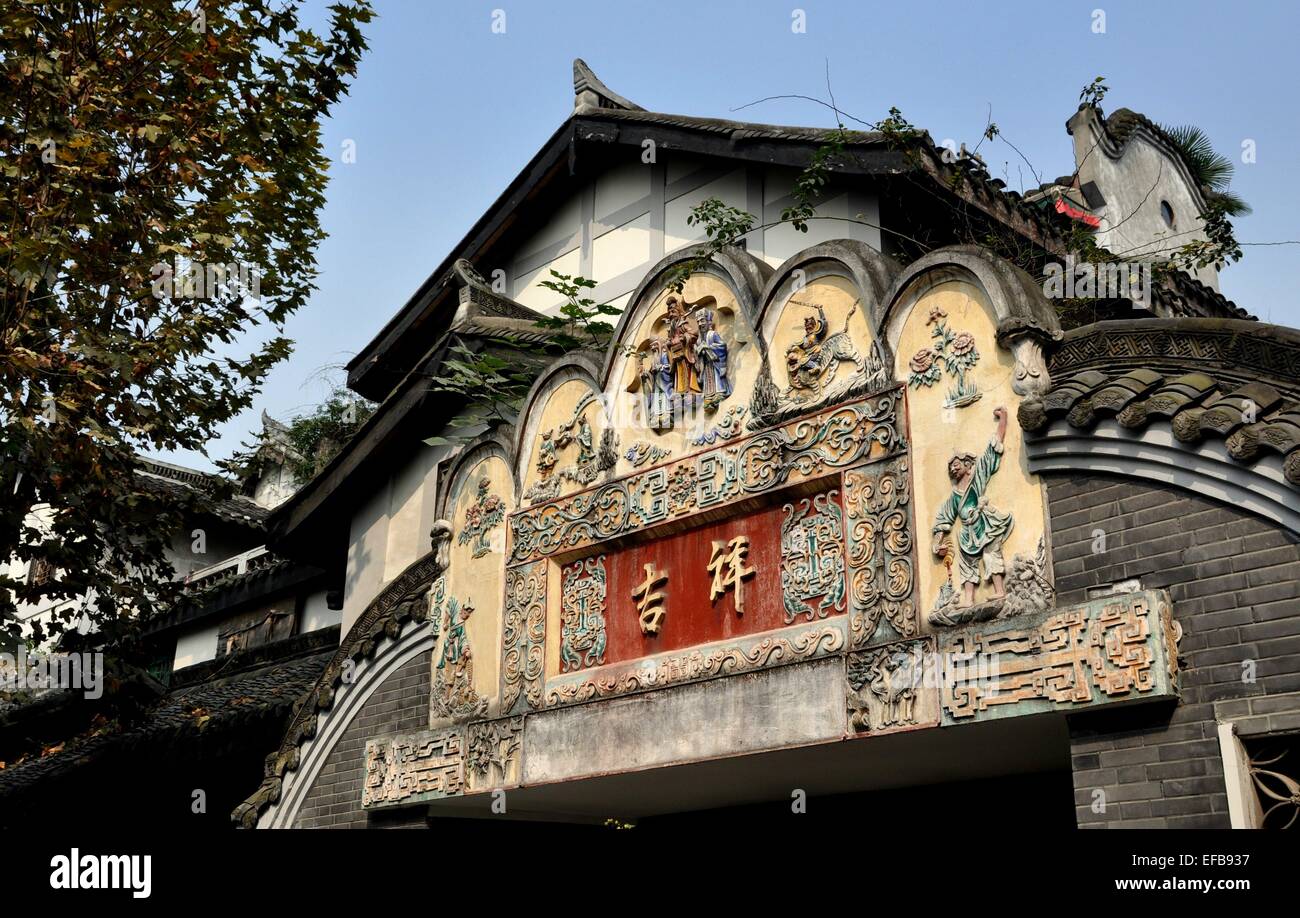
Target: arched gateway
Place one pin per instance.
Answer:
(836, 521)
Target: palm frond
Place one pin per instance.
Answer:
(1210, 169)
(1233, 205)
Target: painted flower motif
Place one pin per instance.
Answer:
(921, 361)
(935, 315)
(963, 344)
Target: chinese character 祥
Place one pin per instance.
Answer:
(727, 565)
(649, 603)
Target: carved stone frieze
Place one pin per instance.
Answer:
(523, 636)
(414, 767)
(893, 687)
(801, 450)
(812, 557)
(790, 645)
(1119, 648)
(880, 551)
(582, 614)
(492, 750)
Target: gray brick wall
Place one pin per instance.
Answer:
(399, 705)
(1235, 584)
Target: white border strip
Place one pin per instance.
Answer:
(1155, 455)
(415, 638)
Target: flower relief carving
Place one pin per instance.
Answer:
(953, 351)
(492, 752)
(481, 517)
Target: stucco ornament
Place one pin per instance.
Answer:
(582, 618)
(1027, 587)
(894, 676)
(572, 437)
(727, 565)
(453, 695)
(953, 351)
(649, 600)
(440, 536)
(685, 367)
(812, 557)
(481, 517)
(813, 361)
(1030, 378)
(983, 529)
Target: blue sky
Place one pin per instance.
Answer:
(445, 112)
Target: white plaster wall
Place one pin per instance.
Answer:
(197, 645)
(1133, 186)
(621, 249)
(391, 529)
(367, 546)
(729, 188)
(316, 614)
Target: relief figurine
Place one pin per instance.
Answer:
(453, 690)
(681, 351)
(812, 361)
(711, 354)
(656, 378)
(685, 368)
(983, 530)
(588, 464)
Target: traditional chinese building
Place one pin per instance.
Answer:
(859, 513)
(217, 679)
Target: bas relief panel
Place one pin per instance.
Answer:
(683, 378)
(820, 351)
(572, 443)
(712, 514)
(466, 603)
(979, 512)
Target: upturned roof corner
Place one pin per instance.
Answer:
(590, 92)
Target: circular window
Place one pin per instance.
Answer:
(1167, 214)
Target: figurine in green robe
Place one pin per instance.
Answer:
(984, 529)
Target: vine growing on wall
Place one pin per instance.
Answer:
(492, 381)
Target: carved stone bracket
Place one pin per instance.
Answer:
(1115, 649)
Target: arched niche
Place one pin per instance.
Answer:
(681, 367)
(466, 604)
(957, 322)
(565, 438)
(818, 324)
